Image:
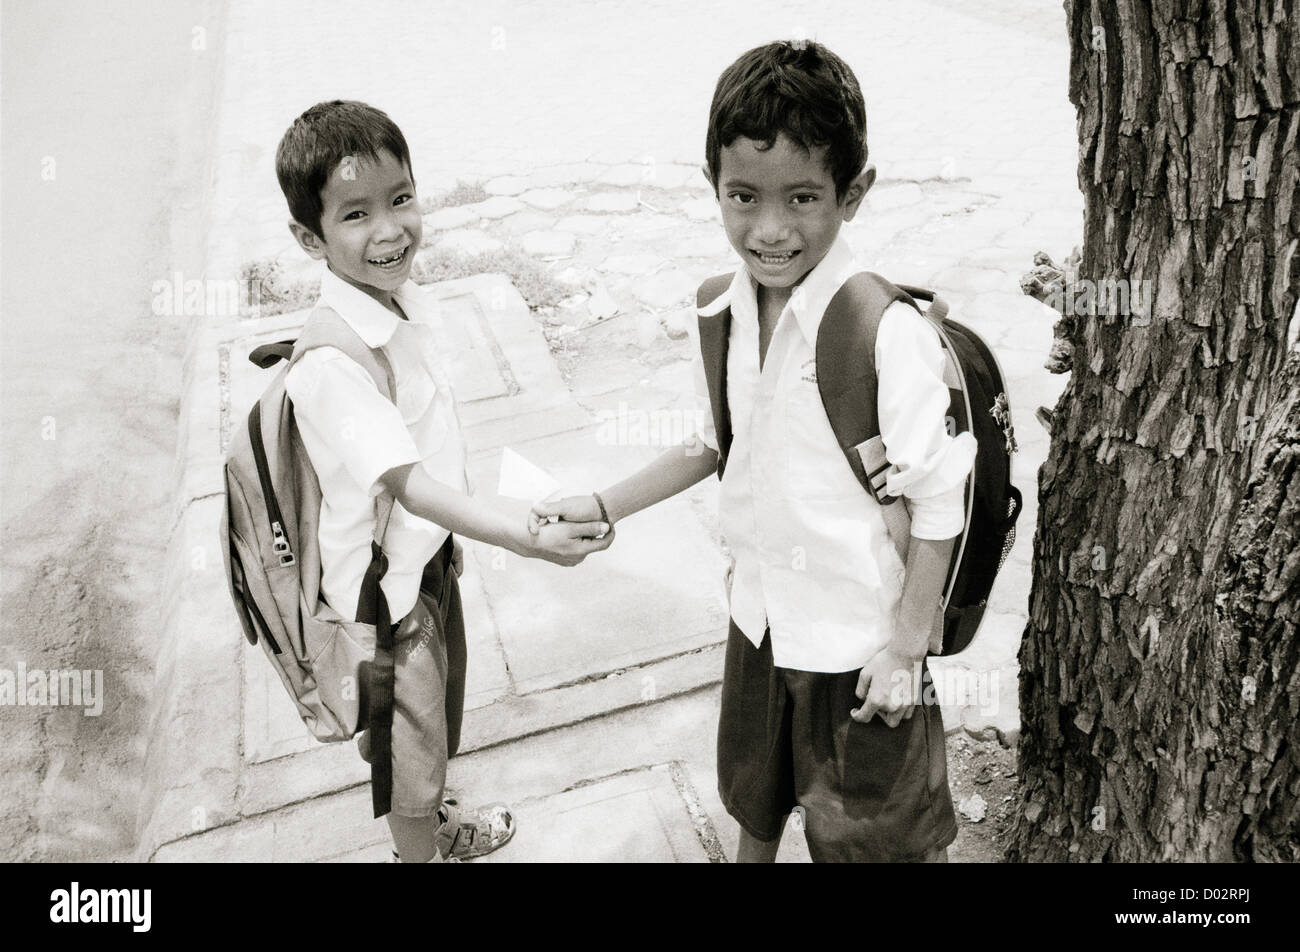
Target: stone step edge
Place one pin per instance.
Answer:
(290, 781)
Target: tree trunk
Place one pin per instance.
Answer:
(1160, 668)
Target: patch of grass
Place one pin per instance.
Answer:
(275, 293)
(537, 286)
(271, 292)
(465, 193)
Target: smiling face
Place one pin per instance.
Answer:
(370, 224)
(780, 209)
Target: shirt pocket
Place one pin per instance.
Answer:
(416, 390)
(426, 409)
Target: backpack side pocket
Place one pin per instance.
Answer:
(339, 649)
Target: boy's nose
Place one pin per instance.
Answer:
(771, 228)
(388, 228)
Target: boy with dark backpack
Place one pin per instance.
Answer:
(822, 383)
(348, 482)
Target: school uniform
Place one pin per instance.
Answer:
(353, 435)
(816, 583)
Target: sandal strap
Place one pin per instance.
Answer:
(481, 833)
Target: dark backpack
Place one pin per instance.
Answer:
(846, 378)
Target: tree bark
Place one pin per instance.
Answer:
(1160, 667)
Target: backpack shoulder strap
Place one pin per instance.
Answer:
(711, 290)
(846, 379)
(846, 359)
(714, 313)
(327, 328)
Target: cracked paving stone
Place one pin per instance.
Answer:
(549, 244)
(468, 241)
(506, 185)
(498, 206)
(611, 202)
(445, 219)
(547, 198)
(631, 264)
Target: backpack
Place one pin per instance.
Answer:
(338, 671)
(846, 378)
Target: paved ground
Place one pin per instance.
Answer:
(500, 88)
(587, 147)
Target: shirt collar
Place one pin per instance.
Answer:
(814, 292)
(820, 285)
(374, 323)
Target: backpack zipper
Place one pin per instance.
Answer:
(280, 541)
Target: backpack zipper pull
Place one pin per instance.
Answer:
(281, 545)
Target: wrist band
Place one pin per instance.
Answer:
(604, 515)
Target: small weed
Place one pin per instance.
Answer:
(465, 193)
(537, 286)
(272, 293)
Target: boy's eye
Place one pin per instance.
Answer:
(804, 199)
(353, 215)
(402, 199)
(744, 198)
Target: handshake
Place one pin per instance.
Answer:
(566, 531)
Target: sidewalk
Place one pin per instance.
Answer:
(593, 714)
(105, 121)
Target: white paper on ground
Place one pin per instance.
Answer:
(521, 479)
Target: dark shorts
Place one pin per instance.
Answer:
(863, 792)
(428, 690)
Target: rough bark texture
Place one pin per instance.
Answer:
(1160, 670)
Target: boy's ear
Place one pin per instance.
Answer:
(307, 240)
(708, 177)
(857, 191)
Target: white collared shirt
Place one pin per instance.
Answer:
(812, 557)
(354, 435)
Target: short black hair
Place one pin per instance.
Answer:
(319, 140)
(799, 88)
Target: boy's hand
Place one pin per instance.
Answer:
(887, 686)
(568, 543)
(569, 509)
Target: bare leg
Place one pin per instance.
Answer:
(415, 836)
(754, 850)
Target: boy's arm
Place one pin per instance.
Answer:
(929, 468)
(422, 495)
(673, 471)
(927, 570)
(888, 682)
(338, 406)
